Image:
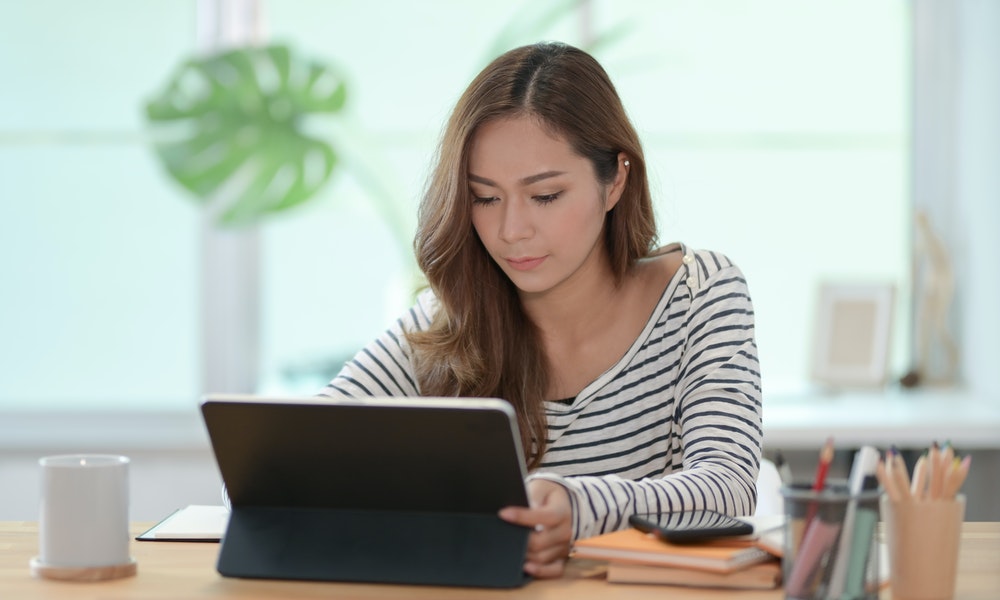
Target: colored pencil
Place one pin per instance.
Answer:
(918, 487)
(887, 482)
(819, 484)
(898, 471)
(934, 472)
(825, 458)
(956, 476)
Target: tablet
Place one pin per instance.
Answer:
(398, 490)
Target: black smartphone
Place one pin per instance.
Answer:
(690, 525)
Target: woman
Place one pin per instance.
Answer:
(633, 370)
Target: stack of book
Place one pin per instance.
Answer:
(746, 562)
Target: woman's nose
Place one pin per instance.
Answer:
(515, 223)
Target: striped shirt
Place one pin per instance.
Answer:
(674, 425)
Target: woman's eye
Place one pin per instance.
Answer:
(546, 198)
(484, 199)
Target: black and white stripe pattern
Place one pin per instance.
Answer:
(674, 425)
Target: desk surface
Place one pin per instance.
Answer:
(180, 571)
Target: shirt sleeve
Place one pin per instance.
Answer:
(718, 415)
(384, 367)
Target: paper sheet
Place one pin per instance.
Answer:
(193, 523)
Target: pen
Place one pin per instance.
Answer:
(817, 540)
(864, 467)
(784, 471)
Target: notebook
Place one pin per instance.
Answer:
(634, 546)
(388, 490)
(762, 576)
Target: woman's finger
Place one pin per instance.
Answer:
(548, 570)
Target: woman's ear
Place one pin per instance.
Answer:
(618, 184)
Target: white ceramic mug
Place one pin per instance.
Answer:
(84, 519)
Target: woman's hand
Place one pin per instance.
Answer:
(551, 517)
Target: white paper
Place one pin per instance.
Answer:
(194, 522)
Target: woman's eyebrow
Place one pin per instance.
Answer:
(482, 180)
(524, 180)
(540, 176)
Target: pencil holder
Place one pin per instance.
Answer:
(830, 549)
(923, 538)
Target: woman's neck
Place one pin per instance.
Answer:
(577, 307)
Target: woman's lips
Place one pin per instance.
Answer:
(525, 263)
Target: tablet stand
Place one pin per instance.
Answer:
(379, 546)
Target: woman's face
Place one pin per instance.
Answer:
(537, 205)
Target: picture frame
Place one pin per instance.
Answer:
(853, 333)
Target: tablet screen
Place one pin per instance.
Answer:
(417, 454)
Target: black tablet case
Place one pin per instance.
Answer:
(391, 491)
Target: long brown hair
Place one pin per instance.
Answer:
(481, 343)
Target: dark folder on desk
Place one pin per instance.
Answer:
(385, 490)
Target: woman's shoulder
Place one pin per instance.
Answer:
(427, 299)
(421, 312)
(711, 262)
(706, 260)
(660, 266)
(696, 266)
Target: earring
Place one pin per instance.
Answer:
(627, 163)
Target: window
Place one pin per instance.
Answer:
(769, 138)
(100, 254)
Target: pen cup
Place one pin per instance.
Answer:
(831, 549)
(923, 538)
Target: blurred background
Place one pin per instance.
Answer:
(799, 138)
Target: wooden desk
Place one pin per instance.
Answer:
(180, 571)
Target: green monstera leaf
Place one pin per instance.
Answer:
(233, 129)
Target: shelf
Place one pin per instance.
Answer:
(908, 419)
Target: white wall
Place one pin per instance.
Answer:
(171, 462)
(159, 482)
(978, 190)
(956, 169)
